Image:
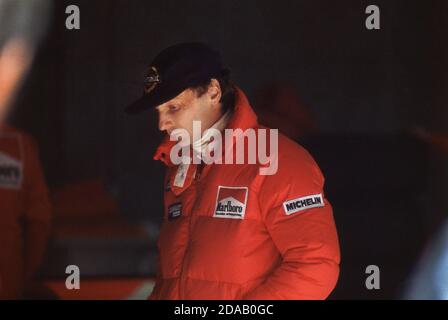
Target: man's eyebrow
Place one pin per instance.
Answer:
(170, 103)
(176, 102)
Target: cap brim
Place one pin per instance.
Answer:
(166, 92)
(156, 97)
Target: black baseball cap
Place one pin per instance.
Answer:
(175, 69)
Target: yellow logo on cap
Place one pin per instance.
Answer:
(151, 79)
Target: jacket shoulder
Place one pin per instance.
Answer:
(295, 160)
(297, 172)
(28, 143)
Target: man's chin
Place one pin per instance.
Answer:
(179, 135)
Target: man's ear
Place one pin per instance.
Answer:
(214, 91)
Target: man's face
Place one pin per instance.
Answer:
(181, 111)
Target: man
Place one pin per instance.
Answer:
(230, 232)
(24, 201)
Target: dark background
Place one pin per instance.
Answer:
(365, 90)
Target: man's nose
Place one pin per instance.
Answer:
(164, 123)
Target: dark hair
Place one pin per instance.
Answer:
(228, 95)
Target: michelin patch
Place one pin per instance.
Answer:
(303, 203)
(231, 202)
(175, 210)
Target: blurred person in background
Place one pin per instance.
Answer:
(437, 140)
(24, 201)
(278, 106)
(429, 280)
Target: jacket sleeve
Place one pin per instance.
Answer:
(306, 240)
(37, 209)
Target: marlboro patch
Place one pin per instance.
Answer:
(231, 202)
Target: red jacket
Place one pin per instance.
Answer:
(24, 211)
(280, 244)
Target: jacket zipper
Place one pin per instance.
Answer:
(182, 275)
